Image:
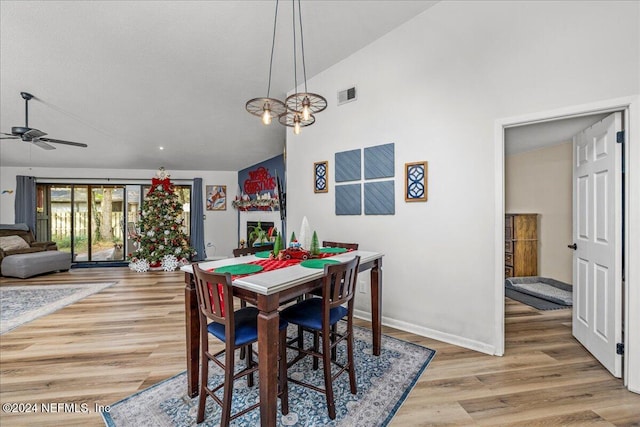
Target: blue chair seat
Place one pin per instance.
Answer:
(308, 314)
(246, 326)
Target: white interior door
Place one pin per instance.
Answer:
(597, 233)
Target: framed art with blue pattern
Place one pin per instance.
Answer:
(415, 182)
(320, 177)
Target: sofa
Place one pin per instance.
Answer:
(17, 239)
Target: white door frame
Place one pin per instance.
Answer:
(631, 108)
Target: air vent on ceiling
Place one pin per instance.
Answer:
(347, 95)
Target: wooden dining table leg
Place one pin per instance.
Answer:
(192, 322)
(376, 306)
(268, 341)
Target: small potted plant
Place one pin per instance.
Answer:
(258, 236)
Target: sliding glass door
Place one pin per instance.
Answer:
(85, 220)
(95, 223)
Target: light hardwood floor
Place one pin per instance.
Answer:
(131, 336)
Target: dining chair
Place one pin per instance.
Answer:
(318, 316)
(327, 244)
(236, 329)
(238, 252)
(252, 250)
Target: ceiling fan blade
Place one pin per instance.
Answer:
(9, 137)
(59, 141)
(41, 144)
(33, 133)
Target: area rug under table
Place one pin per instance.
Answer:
(383, 384)
(22, 304)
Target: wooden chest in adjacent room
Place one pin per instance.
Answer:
(521, 245)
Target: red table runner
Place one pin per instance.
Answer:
(267, 265)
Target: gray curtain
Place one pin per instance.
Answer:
(25, 211)
(197, 221)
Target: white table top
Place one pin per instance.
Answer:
(270, 282)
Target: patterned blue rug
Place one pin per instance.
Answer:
(22, 304)
(383, 382)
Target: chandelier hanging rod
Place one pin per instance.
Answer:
(297, 109)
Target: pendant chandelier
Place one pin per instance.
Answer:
(297, 111)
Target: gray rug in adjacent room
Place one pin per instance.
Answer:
(539, 292)
(22, 304)
(383, 383)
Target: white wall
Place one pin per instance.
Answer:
(435, 87)
(539, 182)
(220, 227)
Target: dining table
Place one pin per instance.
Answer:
(267, 290)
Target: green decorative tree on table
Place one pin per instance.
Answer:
(161, 241)
(315, 245)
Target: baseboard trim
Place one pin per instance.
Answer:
(430, 333)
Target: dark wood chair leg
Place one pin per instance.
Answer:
(300, 337)
(334, 350)
(243, 351)
(250, 364)
(228, 385)
(284, 384)
(328, 384)
(316, 344)
(204, 375)
(352, 366)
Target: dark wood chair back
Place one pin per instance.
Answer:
(252, 250)
(327, 244)
(219, 309)
(339, 285)
(209, 286)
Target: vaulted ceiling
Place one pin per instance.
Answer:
(129, 77)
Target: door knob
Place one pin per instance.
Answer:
(574, 247)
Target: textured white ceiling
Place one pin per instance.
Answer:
(126, 77)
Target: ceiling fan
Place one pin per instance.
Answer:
(34, 136)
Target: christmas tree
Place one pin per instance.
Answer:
(278, 245)
(315, 245)
(161, 240)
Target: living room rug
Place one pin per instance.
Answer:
(383, 383)
(22, 304)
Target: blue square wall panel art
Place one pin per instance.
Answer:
(349, 199)
(348, 166)
(379, 161)
(379, 198)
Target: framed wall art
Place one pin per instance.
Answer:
(216, 197)
(320, 174)
(415, 181)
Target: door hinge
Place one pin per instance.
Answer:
(620, 137)
(620, 348)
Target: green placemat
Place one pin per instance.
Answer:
(318, 263)
(263, 254)
(333, 250)
(239, 269)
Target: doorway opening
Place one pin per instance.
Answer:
(544, 121)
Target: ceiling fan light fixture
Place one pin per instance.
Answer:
(32, 135)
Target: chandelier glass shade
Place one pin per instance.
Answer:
(297, 110)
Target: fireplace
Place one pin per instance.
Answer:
(264, 225)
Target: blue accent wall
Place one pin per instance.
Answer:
(273, 166)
